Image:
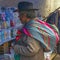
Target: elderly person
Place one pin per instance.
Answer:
(28, 48)
(31, 44)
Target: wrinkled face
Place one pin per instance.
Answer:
(22, 17)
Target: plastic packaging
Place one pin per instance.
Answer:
(16, 56)
(0, 37)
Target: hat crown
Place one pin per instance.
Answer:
(25, 6)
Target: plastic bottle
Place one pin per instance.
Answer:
(4, 20)
(11, 19)
(0, 22)
(14, 32)
(0, 37)
(9, 34)
(7, 18)
(17, 56)
(16, 18)
(47, 57)
(7, 12)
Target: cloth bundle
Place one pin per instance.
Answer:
(43, 32)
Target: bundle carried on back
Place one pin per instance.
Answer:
(43, 32)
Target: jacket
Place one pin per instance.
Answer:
(29, 48)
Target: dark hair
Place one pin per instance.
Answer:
(29, 14)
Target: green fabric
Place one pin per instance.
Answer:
(17, 56)
(54, 27)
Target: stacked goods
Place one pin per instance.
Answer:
(8, 22)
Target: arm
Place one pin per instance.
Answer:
(33, 46)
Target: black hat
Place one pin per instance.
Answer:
(23, 6)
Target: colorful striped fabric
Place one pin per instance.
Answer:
(42, 32)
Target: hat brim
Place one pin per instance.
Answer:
(25, 10)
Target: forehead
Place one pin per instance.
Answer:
(22, 12)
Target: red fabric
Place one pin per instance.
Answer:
(18, 35)
(18, 32)
(46, 24)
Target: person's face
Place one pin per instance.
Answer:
(22, 17)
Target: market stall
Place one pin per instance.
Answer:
(9, 23)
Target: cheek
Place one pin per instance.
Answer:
(22, 19)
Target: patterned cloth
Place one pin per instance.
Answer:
(18, 35)
(42, 32)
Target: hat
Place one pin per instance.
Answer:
(24, 6)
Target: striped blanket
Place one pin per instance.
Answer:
(43, 32)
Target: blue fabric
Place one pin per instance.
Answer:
(37, 34)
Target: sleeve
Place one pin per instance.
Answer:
(33, 46)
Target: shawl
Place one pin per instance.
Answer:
(43, 32)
